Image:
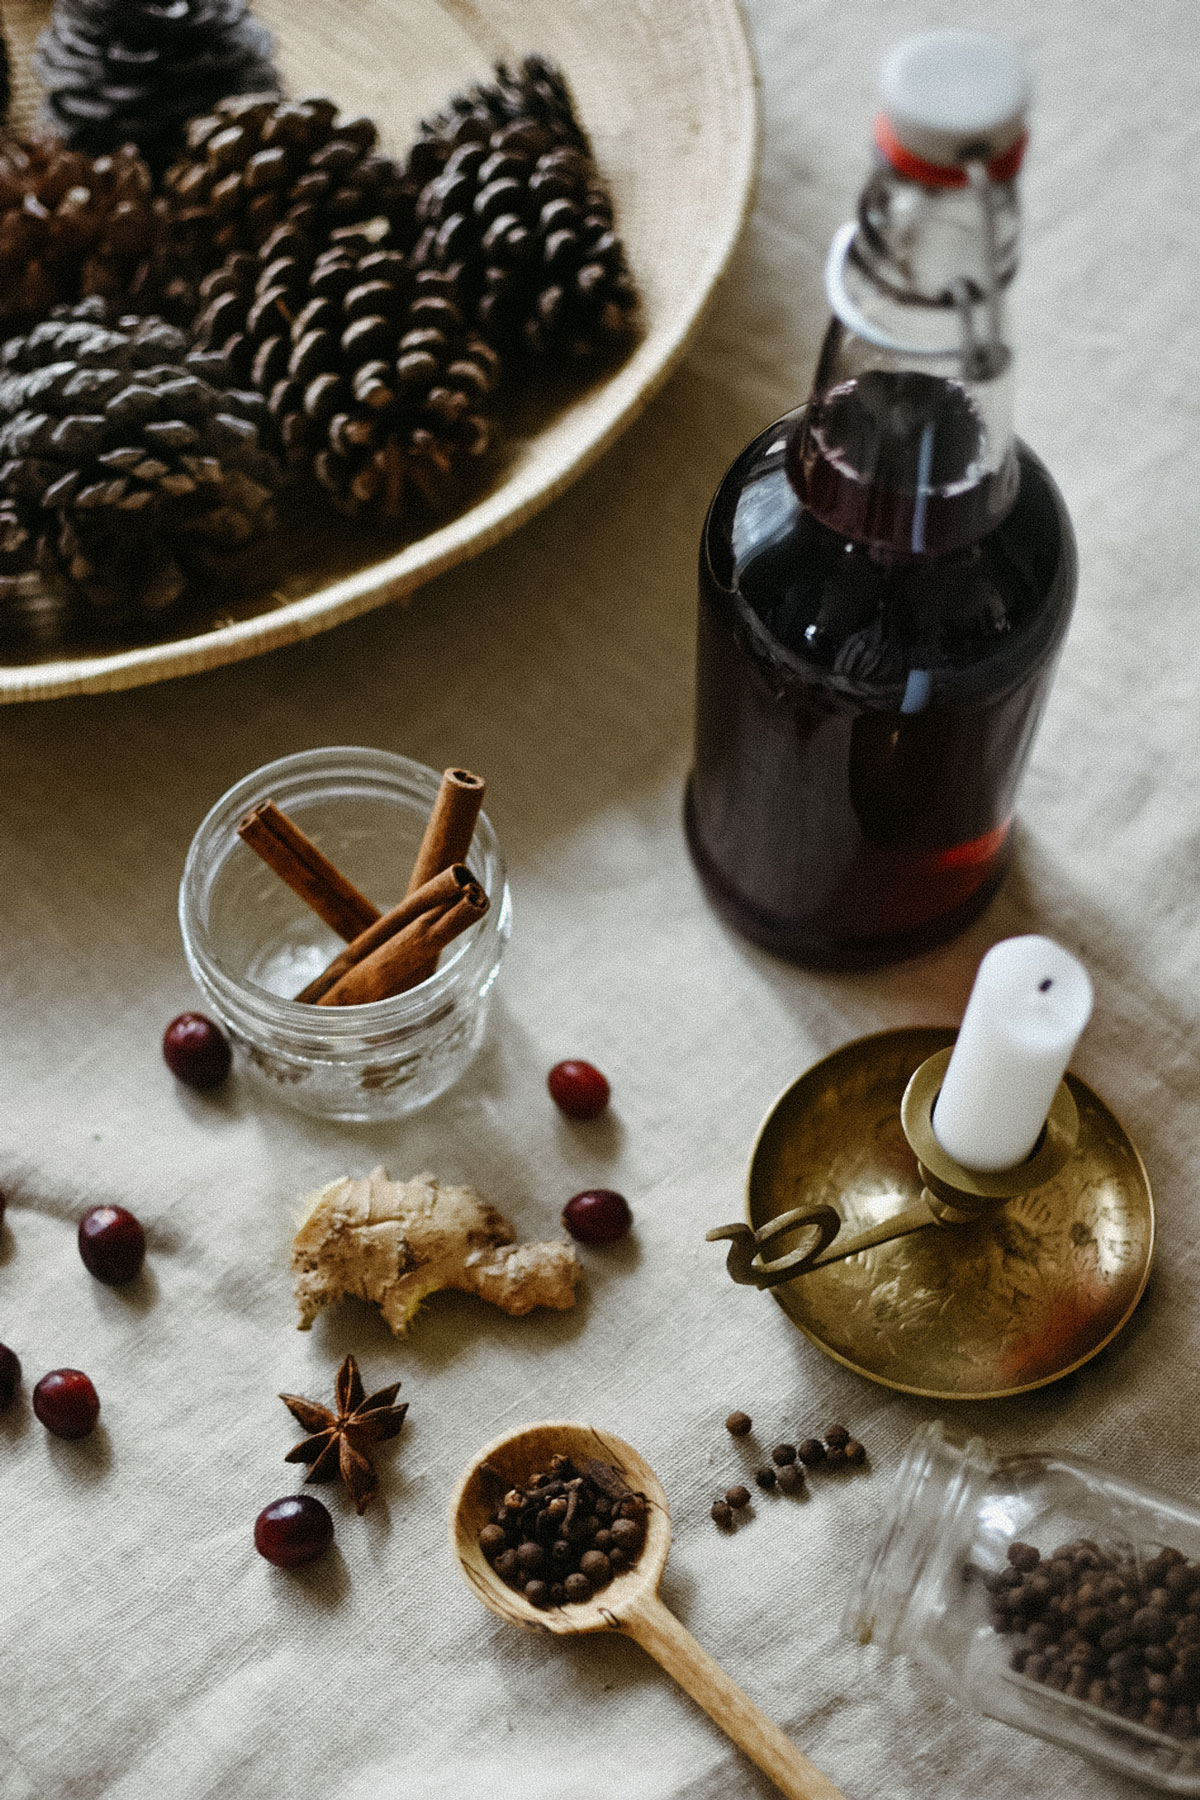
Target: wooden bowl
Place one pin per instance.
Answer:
(668, 96)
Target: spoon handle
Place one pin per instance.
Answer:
(659, 1632)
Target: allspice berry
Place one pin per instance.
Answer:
(596, 1566)
(738, 1424)
(722, 1513)
(627, 1534)
(790, 1478)
(811, 1452)
(783, 1453)
(737, 1497)
(765, 1477)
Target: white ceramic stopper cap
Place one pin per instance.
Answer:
(953, 95)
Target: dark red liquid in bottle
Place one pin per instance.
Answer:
(873, 659)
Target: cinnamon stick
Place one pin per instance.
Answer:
(441, 892)
(451, 826)
(296, 860)
(408, 957)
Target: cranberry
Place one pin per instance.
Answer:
(66, 1403)
(111, 1243)
(196, 1051)
(10, 1375)
(597, 1216)
(578, 1089)
(294, 1530)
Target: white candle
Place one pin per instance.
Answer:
(1030, 1001)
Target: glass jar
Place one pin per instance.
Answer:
(251, 944)
(1048, 1592)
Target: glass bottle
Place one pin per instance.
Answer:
(1050, 1593)
(886, 574)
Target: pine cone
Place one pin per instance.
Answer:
(520, 217)
(135, 70)
(124, 475)
(70, 226)
(528, 234)
(254, 163)
(370, 376)
(535, 94)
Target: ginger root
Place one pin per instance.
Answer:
(394, 1242)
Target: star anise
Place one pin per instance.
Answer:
(338, 1440)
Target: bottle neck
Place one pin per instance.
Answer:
(907, 446)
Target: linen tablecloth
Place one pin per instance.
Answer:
(146, 1650)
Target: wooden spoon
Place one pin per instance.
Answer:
(630, 1602)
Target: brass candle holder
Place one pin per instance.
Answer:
(924, 1275)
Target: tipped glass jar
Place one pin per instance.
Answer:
(1050, 1593)
(251, 944)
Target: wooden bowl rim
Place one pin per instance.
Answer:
(603, 413)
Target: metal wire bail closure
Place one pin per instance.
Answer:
(981, 355)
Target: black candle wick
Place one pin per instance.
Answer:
(1045, 986)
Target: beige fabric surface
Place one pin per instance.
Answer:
(146, 1650)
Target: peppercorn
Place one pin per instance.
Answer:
(737, 1497)
(738, 1424)
(722, 1513)
(531, 1558)
(565, 1523)
(765, 1476)
(596, 1566)
(783, 1453)
(1101, 1626)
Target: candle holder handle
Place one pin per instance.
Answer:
(951, 1193)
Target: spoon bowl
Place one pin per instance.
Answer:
(515, 1457)
(630, 1602)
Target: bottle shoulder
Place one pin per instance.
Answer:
(831, 606)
